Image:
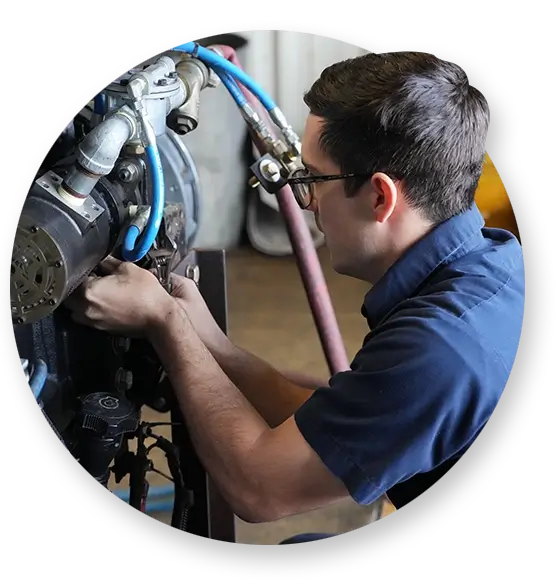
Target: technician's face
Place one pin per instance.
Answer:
(343, 220)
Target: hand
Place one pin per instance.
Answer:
(126, 299)
(187, 294)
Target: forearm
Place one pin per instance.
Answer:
(223, 425)
(274, 396)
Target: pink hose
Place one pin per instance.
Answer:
(304, 250)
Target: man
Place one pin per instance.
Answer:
(393, 150)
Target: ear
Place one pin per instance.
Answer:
(386, 196)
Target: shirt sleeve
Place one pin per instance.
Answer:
(417, 393)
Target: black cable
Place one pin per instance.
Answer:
(183, 498)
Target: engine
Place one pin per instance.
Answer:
(119, 181)
(120, 167)
(95, 183)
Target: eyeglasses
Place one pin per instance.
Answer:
(301, 182)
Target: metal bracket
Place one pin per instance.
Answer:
(267, 172)
(89, 210)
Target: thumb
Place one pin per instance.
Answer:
(181, 286)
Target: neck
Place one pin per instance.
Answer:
(400, 240)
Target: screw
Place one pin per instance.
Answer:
(52, 302)
(172, 75)
(34, 229)
(162, 82)
(58, 264)
(21, 320)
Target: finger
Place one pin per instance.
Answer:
(109, 265)
(80, 298)
(81, 318)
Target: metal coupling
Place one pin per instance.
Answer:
(139, 216)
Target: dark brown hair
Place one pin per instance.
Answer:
(411, 116)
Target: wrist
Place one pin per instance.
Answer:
(161, 320)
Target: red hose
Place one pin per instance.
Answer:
(304, 249)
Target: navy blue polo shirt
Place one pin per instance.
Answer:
(445, 322)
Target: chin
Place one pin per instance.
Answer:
(340, 266)
(344, 267)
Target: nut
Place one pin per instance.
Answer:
(127, 172)
(135, 149)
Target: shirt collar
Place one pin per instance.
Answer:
(444, 243)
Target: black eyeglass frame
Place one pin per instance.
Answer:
(311, 179)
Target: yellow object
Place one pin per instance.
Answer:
(492, 200)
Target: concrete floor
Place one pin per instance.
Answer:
(269, 316)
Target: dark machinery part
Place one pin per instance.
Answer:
(58, 244)
(55, 247)
(103, 419)
(268, 173)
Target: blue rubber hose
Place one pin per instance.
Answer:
(136, 246)
(230, 84)
(38, 379)
(216, 61)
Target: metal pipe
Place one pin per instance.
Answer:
(100, 149)
(97, 155)
(304, 250)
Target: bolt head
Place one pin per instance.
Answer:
(125, 175)
(270, 170)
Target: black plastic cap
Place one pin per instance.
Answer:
(107, 415)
